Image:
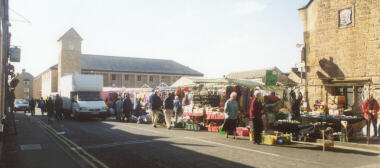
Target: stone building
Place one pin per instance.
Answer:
(342, 49)
(128, 72)
(24, 89)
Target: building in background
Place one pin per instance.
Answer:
(259, 75)
(128, 72)
(24, 89)
(341, 45)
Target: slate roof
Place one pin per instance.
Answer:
(133, 65)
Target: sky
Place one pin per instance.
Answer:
(214, 37)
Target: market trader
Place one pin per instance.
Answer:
(156, 104)
(255, 114)
(370, 108)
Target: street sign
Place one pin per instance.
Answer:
(15, 53)
(270, 77)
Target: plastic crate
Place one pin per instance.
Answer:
(222, 132)
(213, 129)
(242, 131)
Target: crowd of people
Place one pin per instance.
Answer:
(53, 108)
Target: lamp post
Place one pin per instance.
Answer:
(303, 59)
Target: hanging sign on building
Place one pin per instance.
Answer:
(15, 53)
(270, 77)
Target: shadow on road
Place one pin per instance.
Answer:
(119, 148)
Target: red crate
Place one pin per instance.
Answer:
(242, 131)
(213, 129)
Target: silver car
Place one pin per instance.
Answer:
(21, 105)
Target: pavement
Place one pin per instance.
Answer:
(104, 144)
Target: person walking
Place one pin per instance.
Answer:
(295, 104)
(119, 109)
(231, 112)
(169, 109)
(137, 107)
(50, 108)
(42, 106)
(156, 105)
(370, 109)
(255, 114)
(58, 107)
(127, 107)
(32, 106)
(177, 107)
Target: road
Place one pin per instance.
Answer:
(115, 144)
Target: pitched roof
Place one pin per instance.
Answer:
(134, 65)
(306, 6)
(252, 74)
(71, 34)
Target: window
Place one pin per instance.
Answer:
(126, 77)
(139, 78)
(26, 82)
(113, 77)
(26, 90)
(151, 78)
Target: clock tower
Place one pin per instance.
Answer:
(70, 54)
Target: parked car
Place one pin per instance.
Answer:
(21, 105)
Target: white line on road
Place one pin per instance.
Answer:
(234, 147)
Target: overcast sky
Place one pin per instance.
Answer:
(214, 37)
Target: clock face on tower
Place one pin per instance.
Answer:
(71, 47)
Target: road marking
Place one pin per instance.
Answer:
(115, 144)
(234, 147)
(68, 145)
(68, 142)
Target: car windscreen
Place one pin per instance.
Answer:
(89, 96)
(21, 102)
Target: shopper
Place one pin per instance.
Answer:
(255, 114)
(370, 108)
(50, 108)
(295, 104)
(32, 106)
(137, 107)
(42, 106)
(177, 107)
(58, 107)
(169, 106)
(127, 108)
(119, 109)
(156, 104)
(231, 112)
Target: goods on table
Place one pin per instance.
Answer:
(192, 127)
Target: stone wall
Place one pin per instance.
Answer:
(353, 52)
